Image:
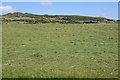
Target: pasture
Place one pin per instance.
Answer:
(60, 50)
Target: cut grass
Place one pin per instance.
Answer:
(60, 51)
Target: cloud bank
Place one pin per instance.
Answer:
(6, 9)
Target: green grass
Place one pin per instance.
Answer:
(60, 51)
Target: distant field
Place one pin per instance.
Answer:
(60, 50)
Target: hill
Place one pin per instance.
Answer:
(33, 18)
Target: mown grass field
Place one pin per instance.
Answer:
(60, 51)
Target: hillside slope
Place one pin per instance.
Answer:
(33, 18)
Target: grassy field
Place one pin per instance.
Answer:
(60, 51)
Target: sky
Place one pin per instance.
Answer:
(99, 9)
